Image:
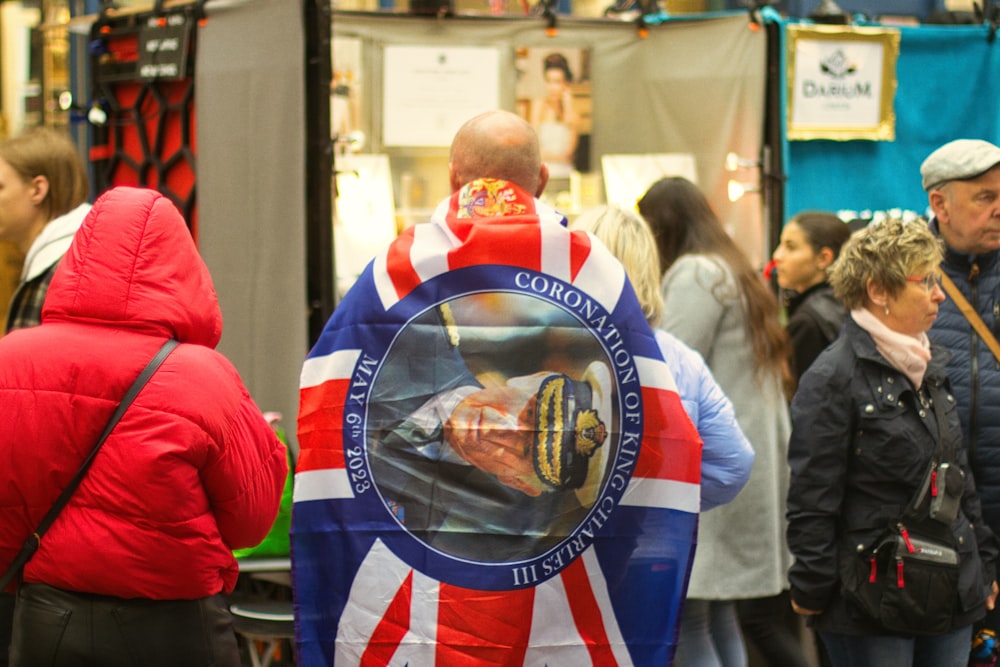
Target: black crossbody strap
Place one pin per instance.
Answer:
(31, 544)
(942, 451)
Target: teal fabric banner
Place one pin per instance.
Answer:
(947, 89)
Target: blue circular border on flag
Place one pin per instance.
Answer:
(527, 523)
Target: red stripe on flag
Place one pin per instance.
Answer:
(391, 629)
(671, 447)
(321, 425)
(398, 265)
(587, 614)
(579, 251)
(512, 241)
(320, 459)
(483, 628)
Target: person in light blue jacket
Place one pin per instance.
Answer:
(726, 456)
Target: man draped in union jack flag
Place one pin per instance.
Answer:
(495, 467)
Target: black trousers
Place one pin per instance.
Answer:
(771, 625)
(57, 628)
(6, 622)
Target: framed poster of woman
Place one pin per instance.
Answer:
(553, 94)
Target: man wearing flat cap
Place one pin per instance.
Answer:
(962, 180)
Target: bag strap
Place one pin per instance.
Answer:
(941, 452)
(970, 314)
(31, 544)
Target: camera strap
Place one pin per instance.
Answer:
(944, 451)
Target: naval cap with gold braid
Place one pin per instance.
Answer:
(568, 430)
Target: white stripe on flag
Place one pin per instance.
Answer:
(663, 493)
(555, 250)
(429, 253)
(553, 641)
(336, 366)
(655, 374)
(325, 484)
(384, 286)
(595, 574)
(418, 646)
(373, 590)
(601, 277)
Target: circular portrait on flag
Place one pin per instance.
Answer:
(489, 426)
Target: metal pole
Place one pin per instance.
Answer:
(772, 167)
(320, 269)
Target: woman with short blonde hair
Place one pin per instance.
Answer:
(876, 444)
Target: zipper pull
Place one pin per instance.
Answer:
(873, 570)
(899, 573)
(906, 538)
(934, 483)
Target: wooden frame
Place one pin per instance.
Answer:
(841, 82)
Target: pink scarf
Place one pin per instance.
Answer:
(907, 354)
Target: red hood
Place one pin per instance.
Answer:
(133, 264)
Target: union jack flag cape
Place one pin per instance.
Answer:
(587, 572)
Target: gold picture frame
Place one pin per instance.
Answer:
(841, 82)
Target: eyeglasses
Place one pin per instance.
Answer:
(930, 281)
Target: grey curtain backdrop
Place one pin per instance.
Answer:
(249, 99)
(692, 86)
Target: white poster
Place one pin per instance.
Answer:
(627, 177)
(842, 83)
(430, 91)
(365, 216)
(838, 83)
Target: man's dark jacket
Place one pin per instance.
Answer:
(973, 370)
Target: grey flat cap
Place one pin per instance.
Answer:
(957, 161)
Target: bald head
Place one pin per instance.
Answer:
(497, 144)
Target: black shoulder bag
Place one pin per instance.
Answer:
(909, 581)
(31, 544)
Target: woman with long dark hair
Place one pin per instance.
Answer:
(717, 303)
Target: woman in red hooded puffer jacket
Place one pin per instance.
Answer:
(133, 569)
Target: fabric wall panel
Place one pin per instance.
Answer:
(701, 86)
(693, 85)
(251, 191)
(946, 90)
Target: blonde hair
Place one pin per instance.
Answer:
(42, 151)
(629, 238)
(886, 253)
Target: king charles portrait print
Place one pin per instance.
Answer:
(483, 444)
